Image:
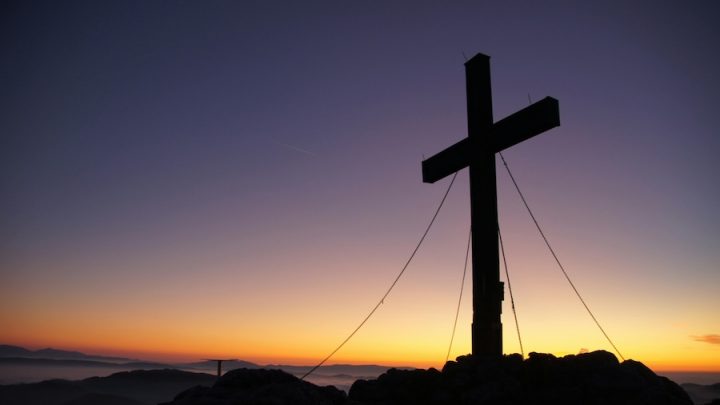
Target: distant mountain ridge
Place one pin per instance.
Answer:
(16, 355)
(17, 352)
(131, 365)
(226, 365)
(55, 354)
(703, 394)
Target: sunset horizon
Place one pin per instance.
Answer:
(667, 364)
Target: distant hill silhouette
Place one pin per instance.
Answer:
(351, 369)
(55, 354)
(14, 351)
(82, 363)
(124, 388)
(17, 354)
(341, 375)
(703, 394)
(227, 365)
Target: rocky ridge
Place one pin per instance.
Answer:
(591, 378)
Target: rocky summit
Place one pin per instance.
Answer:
(591, 378)
(260, 387)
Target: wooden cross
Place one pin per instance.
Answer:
(219, 365)
(477, 152)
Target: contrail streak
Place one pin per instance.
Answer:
(295, 148)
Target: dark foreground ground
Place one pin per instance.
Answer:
(590, 378)
(125, 388)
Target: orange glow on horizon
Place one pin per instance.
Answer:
(410, 332)
(667, 364)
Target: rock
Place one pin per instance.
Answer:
(141, 386)
(105, 399)
(260, 387)
(595, 378)
(590, 378)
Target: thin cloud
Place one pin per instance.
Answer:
(295, 148)
(712, 339)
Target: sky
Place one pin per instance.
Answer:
(186, 179)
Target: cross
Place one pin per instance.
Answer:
(219, 365)
(477, 152)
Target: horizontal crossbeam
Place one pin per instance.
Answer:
(524, 124)
(446, 162)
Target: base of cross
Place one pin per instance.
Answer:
(487, 339)
(487, 331)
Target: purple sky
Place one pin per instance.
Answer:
(217, 150)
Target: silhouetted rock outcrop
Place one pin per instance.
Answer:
(591, 378)
(260, 386)
(104, 399)
(46, 392)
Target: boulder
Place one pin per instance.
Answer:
(593, 378)
(260, 387)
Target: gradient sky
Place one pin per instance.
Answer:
(189, 179)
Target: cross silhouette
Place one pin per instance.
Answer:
(477, 152)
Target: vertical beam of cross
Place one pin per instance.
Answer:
(487, 289)
(219, 365)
